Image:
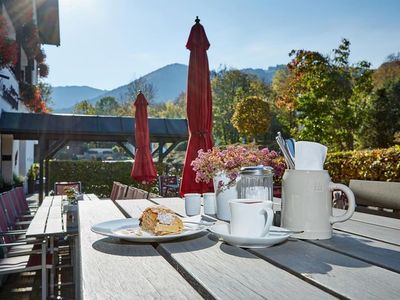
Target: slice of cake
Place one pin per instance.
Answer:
(160, 220)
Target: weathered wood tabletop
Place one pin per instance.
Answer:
(49, 219)
(356, 263)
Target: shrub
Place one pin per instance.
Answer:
(377, 164)
(97, 177)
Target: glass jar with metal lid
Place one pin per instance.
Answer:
(257, 183)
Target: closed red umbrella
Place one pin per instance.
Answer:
(143, 169)
(199, 108)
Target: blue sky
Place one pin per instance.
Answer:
(108, 43)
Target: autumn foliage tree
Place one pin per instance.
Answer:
(325, 96)
(228, 87)
(32, 97)
(252, 117)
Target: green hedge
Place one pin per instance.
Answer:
(97, 177)
(378, 164)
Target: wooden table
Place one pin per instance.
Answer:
(50, 222)
(361, 261)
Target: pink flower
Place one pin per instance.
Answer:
(230, 160)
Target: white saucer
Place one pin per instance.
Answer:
(272, 238)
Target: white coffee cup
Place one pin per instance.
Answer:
(210, 205)
(192, 204)
(250, 217)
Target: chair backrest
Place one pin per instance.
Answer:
(130, 193)
(114, 191)
(121, 191)
(141, 194)
(21, 198)
(376, 193)
(12, 194)
(9, 210)
(59, 187)
(4, 225)
(167, 184)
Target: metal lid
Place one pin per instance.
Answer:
(257, 171)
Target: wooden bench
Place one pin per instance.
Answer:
(383, 196)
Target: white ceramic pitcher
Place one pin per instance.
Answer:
(307, 203)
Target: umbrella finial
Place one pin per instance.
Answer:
(197, 20)
(140, 91)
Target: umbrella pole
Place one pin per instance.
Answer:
(148, 190)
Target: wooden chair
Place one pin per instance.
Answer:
(121, 193)
(130, 193)
(59, 187)
(22, 255)
(135, 193)
(141, 194)
(168, 186)
(114, 191)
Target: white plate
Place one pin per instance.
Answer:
(128, 229)
(223, 232)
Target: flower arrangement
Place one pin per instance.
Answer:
(32, 97)
(210, 163)
(30, 38)
(71, 194)
(8, 47)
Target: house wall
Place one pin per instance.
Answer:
(16, 157)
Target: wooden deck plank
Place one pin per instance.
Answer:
(112, 269)
(38, 223)
(54, 223)
(374, 252)
(380, 233)
(372, 219)
(349, 277)
(224, 271)
(175, 203)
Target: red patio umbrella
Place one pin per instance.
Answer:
(143, 169)
(199, 108)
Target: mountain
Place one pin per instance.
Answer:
(168, 82)
(64, 97)
(264, 75)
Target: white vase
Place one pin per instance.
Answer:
(224, 195)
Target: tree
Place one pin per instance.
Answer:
(252, 117)
(381, 122)
(144, 86)
(141, 84)
(46, 90)
(228, 86)
(84, 107)
(170, 109)
(107, 106)
(284, 101)
(388, 71)
(327, 96)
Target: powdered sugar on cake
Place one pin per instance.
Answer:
(165, 218)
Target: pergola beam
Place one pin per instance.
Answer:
(127, 150)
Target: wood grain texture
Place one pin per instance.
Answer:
(380, 233)
(339, 273)
(371, 219)
(224, 271)
(175, 203)
(374, 252)
(91, 197)
(54, 224)
(112, 269)
(38, 223)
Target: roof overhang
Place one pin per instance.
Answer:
(30, 126)
(48, 22)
